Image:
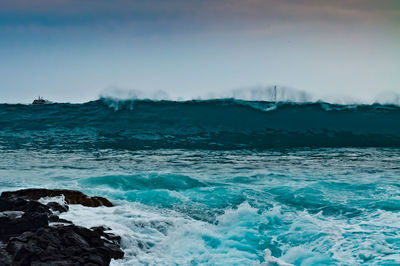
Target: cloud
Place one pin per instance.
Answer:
(124, 19)
(83, 12)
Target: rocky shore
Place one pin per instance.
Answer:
(31, 233)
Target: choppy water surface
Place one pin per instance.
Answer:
(296, 206)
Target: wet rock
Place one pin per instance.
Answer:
(20, 216)
(65, 245)
(111, 241)
(5, 258)
(114, 251)
(55, 219)
(11, 214)
(109, 236)
(54, 206)
(19, 204)
(26, 238)
(71, 196)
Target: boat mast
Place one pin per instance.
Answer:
(275, 93)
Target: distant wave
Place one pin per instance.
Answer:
(198, 124)
(254, 93)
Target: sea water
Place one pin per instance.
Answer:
(224, 203)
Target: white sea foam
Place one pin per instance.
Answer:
(325, 207)
(273, 261)
(153, 236)
(159, 237)
(59, 199)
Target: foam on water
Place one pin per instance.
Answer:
(152, 236)
(288, 207)
(245, 236)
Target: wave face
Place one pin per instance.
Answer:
(203, 124)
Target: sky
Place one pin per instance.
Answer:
(79, 50)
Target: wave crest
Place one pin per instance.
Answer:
(199, 124)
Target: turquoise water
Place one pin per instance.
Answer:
(295, 206)
(219, 182)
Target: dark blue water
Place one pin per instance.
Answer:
(214, 124)
(221, 182)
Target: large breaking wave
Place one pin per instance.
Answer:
(198, 124)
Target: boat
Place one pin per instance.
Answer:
(40, 100)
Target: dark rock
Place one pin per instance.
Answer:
(60, 220)
(71, 196)
(65, 245)
(32, 215)
(27, 239)
(19, 204)
(12, 214)
(5, 258)
(109, 236)
(54, 206)
(112, 241)
(56, 219)
(14, 225)
(114, 250)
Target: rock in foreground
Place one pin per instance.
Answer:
(71, 196)
(27, 236)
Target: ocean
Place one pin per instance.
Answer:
(219, 182)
